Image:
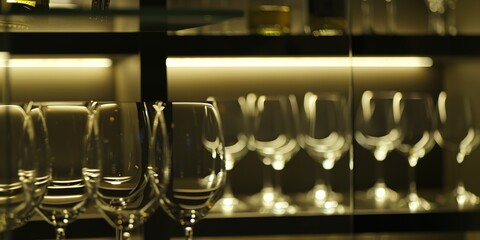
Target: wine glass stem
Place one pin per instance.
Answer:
(379, 171)
(227, 191)
(189, 233)
(412, 183)
(458, 174)
(319, 181)
(326, 176)
(122, 235)
(267, 176)
(59, 233)
(278, 180)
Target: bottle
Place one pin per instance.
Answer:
(269, 17)
(19, 11)
(23, 6)
(326, 17)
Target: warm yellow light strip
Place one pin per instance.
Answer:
(374, 62)
(57, 63)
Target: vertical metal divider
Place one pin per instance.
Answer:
(351, 90)
(153, 86)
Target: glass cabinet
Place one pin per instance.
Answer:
(384, 94)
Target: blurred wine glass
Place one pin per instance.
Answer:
(18, 173)
(367, 16)
(458, 133)
(198, 170)
(441, 17)
(68, 194)
(391, 16)
(417, 125)
(326, 137)
(376, 129)
(275, 140)
(135, 162)
(233, 114)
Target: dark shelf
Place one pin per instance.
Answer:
(416, 45)
(72, 43)
(243, 45)
(161, 226)
(257, 45)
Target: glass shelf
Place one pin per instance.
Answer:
(115, 20)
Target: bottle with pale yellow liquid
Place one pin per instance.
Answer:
(269, 17)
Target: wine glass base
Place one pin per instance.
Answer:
(229, 205)
(321, 194)
(266, 197)
(414, 203)
(464, 199)
(379, 196)
(268, 201)
(279, 207)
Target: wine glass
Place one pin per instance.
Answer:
(457, 132)
(135, 162)
(417, 126)
(68, 194)
(275, 141)
(17, 166)
(376, 129)
(367, 16)
(198, 171)
(326, 137)
(233, 114)
(441, 18)
(41, 159)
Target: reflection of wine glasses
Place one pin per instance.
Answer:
(458, 133)
(275, 142)
(17, 167)
(233, 114)
(67, 195)
(326, 137)
(377, 130)
(135, 163)
(198, 171)
(417, 126)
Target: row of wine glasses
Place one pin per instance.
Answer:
(62, 158)
(276, 128)
(411, 124)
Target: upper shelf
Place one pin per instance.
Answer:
(114, 20)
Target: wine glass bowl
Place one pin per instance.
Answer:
(135, 162)
(198, 172)
(326, 137)
(376, 129)
(458, 133)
